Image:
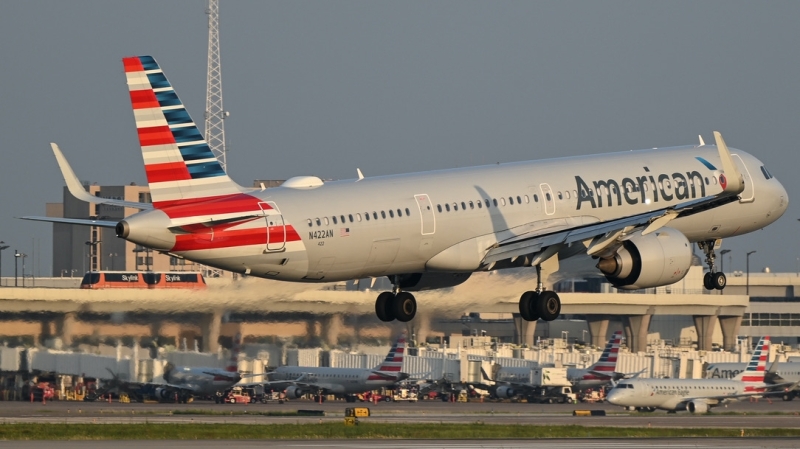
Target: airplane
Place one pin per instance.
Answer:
(636, 212)
(343, 382)
(183, 383)
(787, 372)
(695, 395)
(509, 382)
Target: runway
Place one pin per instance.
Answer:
(778, 414)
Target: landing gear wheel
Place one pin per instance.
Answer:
(404, 307)
(527, 306)
(548, 305)
(707, 282)
(383, 306)
(719, 281)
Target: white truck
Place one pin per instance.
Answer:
(537, 385)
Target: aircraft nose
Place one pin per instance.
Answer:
(613, 396)
(781, 198)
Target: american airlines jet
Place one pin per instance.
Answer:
(636, 212)
(695, 395)
(342, 382)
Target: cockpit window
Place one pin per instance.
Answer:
(766, 172)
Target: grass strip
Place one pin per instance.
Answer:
(233, 412)
(328, 430)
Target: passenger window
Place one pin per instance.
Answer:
(463, 206)
(391, 214)
(399, 213)
(480, 204)
(527, 201)
(547, 195)
(383, 215)
(366, 215)
(455, 206)
(309, 222)
(494, 201)
(488, 204)
(511, 200)
(334, 219)
(560, 196)
(350, 216)
(519, 200)
(408, 212)
(471, 205)
(535, 198)
(342, 216)
(502, 201)
(566, 194)
(714, 181)
(319, 223)
(439, 207)
(327, 222)
(447, 207)
(358, 217)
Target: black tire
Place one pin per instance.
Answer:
(387, 399)
(719, 281)
(708, 282)
(788, 396)
(548, 305)
(404, 307)
(527, 306)
(383, 306)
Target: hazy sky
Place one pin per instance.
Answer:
(324, 87)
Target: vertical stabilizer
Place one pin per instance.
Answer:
(179, 164)
(393, 363)
(608, 360)
(757, 367)
(233, 363)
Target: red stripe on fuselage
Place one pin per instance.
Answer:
(156, 135)
(171, 171)
(132, 64)
(224, 204)
(231, 238)
(389, 368)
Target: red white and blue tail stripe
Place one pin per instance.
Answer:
(393, 363)
(179, 164)
(757, 367)
(608, 360)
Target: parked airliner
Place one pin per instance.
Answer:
(695, 395)
(637, 212)
(342, 382)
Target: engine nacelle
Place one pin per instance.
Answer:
(697, 407)
(417, 282)
(643, 261)
(505, 392)
(293, 392)
(164, 393)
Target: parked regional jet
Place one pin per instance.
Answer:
(509, 382)
(346, 382)
(695, 395)
(787, 372)
(636, 212)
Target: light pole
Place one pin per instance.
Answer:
(747, 289)
(2, 247)
(17, 256)
(722, 259)
(112, 256)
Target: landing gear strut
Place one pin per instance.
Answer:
(539, 303)
(712, 280)
(396, 305)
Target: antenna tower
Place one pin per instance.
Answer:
(215, 114)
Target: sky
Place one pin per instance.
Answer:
(320, 88)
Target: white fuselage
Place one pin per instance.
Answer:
(339, 381)
(202, 381)
(672, 394)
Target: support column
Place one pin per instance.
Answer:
(636, 329)
(211, 325)
(331, 328)
(598, 329)
(65, 327)
(423, 327)
(705, 330)
(730, 329)
(523, 330)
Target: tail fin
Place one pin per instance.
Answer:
(394, 359)
(179, 164)
(608, 360)
(233, 363)
(757, 367)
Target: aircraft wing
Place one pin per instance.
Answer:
(604, 235)
(75, 221)
(726, 397)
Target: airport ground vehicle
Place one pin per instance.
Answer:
(551, 395)
(404, 395)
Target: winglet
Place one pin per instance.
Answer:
(360, 175)
(76, 188)
(732, 181)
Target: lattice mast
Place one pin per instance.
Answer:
(215, 114)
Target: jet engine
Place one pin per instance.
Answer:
(164, 393)
(505, 392)
(697, 407)
(293, 392)
(417, 282)
(643, 261)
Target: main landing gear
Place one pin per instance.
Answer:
(396, 305)
(712, 280)
(539, 303)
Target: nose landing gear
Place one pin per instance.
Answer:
(713, 280)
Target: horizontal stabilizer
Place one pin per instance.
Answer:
(75, 221)
(78, 191)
